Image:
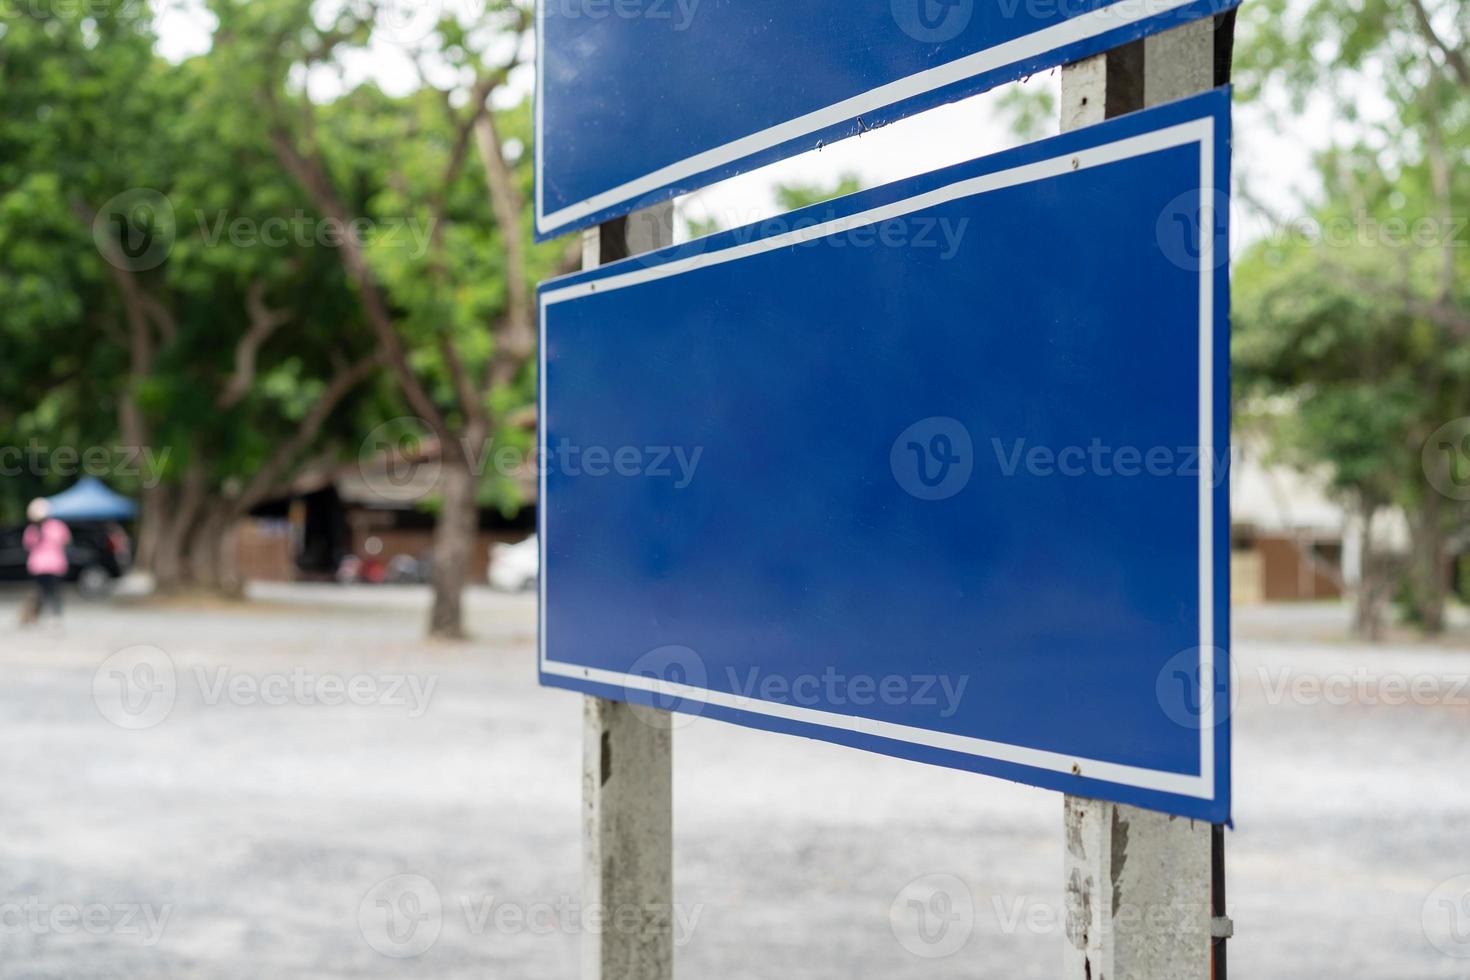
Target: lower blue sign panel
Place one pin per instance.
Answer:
(938, 470)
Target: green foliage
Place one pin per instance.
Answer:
(1030, 111)
(793, 196)
(1352, 318)
(88, 111)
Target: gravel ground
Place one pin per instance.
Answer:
(249, 831)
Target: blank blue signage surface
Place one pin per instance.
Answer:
(937, 470)
(637, 100)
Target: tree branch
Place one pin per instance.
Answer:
(1439, 180)
(264, 321)
(516, 339)
(311, 174)
(269, 474)
(1443, 313)
(1453, 56)
(1440, 314)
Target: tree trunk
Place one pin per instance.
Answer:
(210, 555)
(170, 562)
(152, 514)
(227, 561)
(1430, 574)
(171, 565)
(1368, 605)
(454, 538)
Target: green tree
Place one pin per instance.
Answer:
(222, 358)
(1357, 310)
(455, 322)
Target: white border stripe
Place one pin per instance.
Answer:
(1196, 131)
(1072, 31)
(1182, 134)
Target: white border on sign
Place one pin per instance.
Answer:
(1075, 30)
(1202, 786)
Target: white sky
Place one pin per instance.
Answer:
(1276, 165)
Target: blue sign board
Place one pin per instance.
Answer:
(937, 470)
(637, 100)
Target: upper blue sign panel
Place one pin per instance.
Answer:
(937, 470)
(639, 100)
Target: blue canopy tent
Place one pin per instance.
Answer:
(91, 500)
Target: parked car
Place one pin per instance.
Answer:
(514, 567)
(99, 555)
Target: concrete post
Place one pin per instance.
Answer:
(627, 763)
(1137, 883)
(1137, 894)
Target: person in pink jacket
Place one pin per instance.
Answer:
(45, 541)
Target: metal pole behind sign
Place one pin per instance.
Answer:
(627, 762)
(1138, 884)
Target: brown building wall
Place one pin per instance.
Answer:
(263, 550)
(1288, 575)
(418, 542)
